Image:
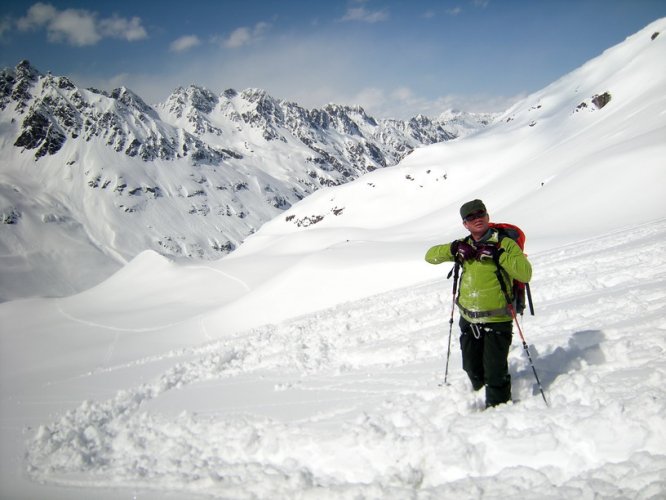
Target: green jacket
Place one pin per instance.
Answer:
(480, 297)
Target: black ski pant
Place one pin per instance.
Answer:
(485, 350)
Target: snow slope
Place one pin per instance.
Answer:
(307, 363)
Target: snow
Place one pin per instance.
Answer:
(309, 362)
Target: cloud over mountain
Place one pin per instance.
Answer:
(79, 27)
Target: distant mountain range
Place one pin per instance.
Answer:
(85, 171)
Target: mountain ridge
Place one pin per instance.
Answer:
(190, 178)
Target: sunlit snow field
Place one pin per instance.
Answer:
(309, 363)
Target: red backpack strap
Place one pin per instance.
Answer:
(512, 231)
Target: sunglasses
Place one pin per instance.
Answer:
(476, 215)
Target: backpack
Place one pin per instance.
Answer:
(520, 289)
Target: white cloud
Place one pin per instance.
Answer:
(238, 38)
(403, 103)
(5, 26)
(38, 15)
(76, 27)
(402, 94)
(79, 27)
(184, 43)
(368, 98)
(128, 29)
(245, 36)
(454, 11)
(365, 15)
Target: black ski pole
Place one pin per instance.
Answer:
(455, 271)
(529, 298)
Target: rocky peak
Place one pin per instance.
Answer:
(26, 71)
(253, 95)
(263, 112)
(175, 103)
(132, 101)
(57, 111)
(198, 98)
(15, 85)
(202, 99)
(420, 121)
(339, 117)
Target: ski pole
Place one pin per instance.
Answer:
(455, 271)
(529, 298)
(520, 330)
(527, 351)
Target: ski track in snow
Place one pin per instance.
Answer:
(365, 416)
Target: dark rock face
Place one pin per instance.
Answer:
(56, 110)
(601, 100)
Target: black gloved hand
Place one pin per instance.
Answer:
(487, 252)
(462, 251)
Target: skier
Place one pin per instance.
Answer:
(485, 318)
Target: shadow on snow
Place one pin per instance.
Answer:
(583, 348)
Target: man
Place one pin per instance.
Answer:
(485, 319)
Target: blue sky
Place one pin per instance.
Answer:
(396, 58)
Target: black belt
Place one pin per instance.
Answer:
(504, 311)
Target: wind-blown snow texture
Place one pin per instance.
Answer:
(307, 363)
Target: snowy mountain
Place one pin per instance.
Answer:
(306, 363)
(549, 154)
(91, 175)
(463, 123)
(576, 160)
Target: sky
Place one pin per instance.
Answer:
(396, 58)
